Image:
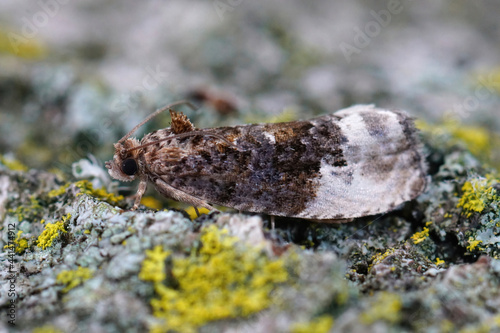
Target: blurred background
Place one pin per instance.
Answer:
(76, 76)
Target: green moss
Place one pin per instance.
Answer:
(86, 188)
(385, 306)
(51, 232)
(320, 324)
(220, 280)
(74, 278)
(477, 194)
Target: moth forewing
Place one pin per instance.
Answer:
(356, 162)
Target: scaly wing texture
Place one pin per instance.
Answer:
(356, 162)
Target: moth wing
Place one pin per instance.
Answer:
(385, 166)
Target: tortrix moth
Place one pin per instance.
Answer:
(356, 162)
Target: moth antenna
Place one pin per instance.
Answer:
(154, 114)
(184, 135)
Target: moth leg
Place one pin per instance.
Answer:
(140, 192)
(172, 192)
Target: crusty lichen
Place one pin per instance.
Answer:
(478, 140)
(153, 267)
(473, 244)
(477, 194)
(220, 280)
(19, 244)
(13, 163)
(58, 191)
(86, 187)
(151, 202)
(51, 232)
(320, 324)
(74, 278)
(27, 211)
(385, 306)
(420, 236)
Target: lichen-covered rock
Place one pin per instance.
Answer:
(76, 259)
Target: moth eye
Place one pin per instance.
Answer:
(129, 166)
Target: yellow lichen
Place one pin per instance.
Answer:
(473, 243)
(151, 202)
(288, 114)
(86, 187)
(15, 43)
(221, 280)
(320, 324)
(477, 194)
(420, 236)
(192, 212)
(386, 306)
(74, 278)
(51, 232)
(23, 211)
(153, 267)
(377, 258)
(59, 191)
(478, 140)
(13, 164)
(21, 243)
(439, 261)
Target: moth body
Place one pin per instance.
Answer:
(356, 162)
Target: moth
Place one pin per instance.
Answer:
(356, 162)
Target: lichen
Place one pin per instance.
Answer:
(19, 244)
(385, 306)
(51, 232)
(74, 278)
(439, 262)
(16, 44)
(478, 140)
(86, 187)
(377, 258)
(151, 202)
(220, 280)
(477, 194)
(420, 236)
(473, 244)
(27, 211)
(320, 324)
(153, 267)
(59, 191)
(13, 163)
(192, 212)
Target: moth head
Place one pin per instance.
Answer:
(125, 165)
